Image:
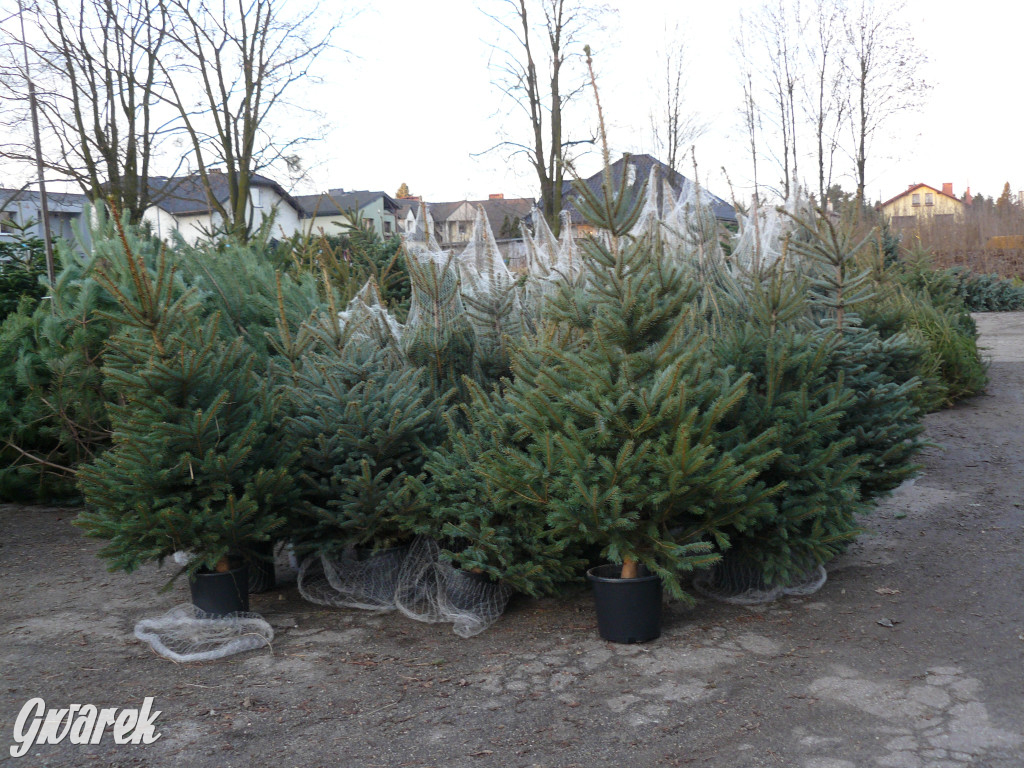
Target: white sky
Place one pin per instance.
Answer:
(413, 101)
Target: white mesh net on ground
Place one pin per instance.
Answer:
(412, 579)
(185, 633)
(744, 584)
(434, 591)
(353, 579)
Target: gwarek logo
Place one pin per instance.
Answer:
(82, 724)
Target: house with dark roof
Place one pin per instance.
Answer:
(21, 214)
(453, 221)
(638, 170)
(325, 213)
(920, 203)
(185, 205)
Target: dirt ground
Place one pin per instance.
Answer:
(910, 656)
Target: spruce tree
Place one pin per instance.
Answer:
(613, 416)
(53, 413)
(794, 400)
(438, 337)
(361, 425)
(479, 524)
(196, 462)
(491, 296)
(884, 418)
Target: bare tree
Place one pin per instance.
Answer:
(238, 64)
(98, 60)
(672, 126)
(885, 68)
(826, 88)
(542, 82)
(779, 31)
(751, 112)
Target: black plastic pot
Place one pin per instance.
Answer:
(628, 610)
(262, 574)
(219, 594)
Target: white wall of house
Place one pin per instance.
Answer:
(263, 201)
(329, 225)
(161, 221)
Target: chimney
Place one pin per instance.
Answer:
(947, 188)
(967, 196)
(496, 196)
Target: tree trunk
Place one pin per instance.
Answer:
(629, 568)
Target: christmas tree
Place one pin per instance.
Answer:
(360, 424)
(884, 418)
(794, 400)
(610, 432)
(53, 413)
(196, 463)
(481, 526)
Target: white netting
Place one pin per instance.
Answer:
(354, 579)
(412, 579)
(742, 583)
(490, 294)
(367, 319)
(185, 633)
(434, 591)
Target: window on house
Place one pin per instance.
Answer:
(6, 222)
(368, 224)
(929, 198)
(256, 195)
(387, 227)
(915, 199)
(462, 228)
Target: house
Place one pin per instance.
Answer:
(638, 170)
(921, 203)
(453, 221)
(408, 210)
(21, 214)
(184, 205)
(376, 211)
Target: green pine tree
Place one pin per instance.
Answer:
(53, 413)
(794, 399)
(361, 425)
(884, 418)
(612, 435)
(481, 526)
(196, 462)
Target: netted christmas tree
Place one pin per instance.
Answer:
(438, 337)
(493, 301)
(196, 462)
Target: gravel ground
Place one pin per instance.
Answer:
(910, 656)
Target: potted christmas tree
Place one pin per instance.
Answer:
(614, 414)
(195, 463)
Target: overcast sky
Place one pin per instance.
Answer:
(413, 102)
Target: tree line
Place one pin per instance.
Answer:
(121, 85)
(124, 85)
